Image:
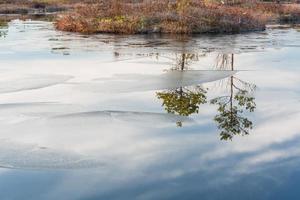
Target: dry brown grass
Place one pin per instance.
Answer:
(181, 16)
(162, 16)
(277, 12)
(26, 6)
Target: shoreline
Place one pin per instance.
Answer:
(192, 18)
(179, 17)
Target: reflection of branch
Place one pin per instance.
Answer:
(246, 85)
(224, 61)
(235, 86)
(183, 60)
(230, 119)
(218, 100)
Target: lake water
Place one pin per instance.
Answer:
(148, 117)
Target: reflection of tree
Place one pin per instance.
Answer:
(3, 28)
(184, 60)
(231, 119)
(233, 108)
(183, 101)
(3, 33)
(225, 61)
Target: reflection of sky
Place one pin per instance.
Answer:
(61, 140)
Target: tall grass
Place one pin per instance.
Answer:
(162, 16)
(25, 6)
(165, 16)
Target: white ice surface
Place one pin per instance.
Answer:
(143, 82)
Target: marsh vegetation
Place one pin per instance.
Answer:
(159, 16)
(180, 16)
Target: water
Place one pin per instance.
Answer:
(148, 117)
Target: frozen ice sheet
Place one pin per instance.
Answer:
(144, 82)
(15, 83)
